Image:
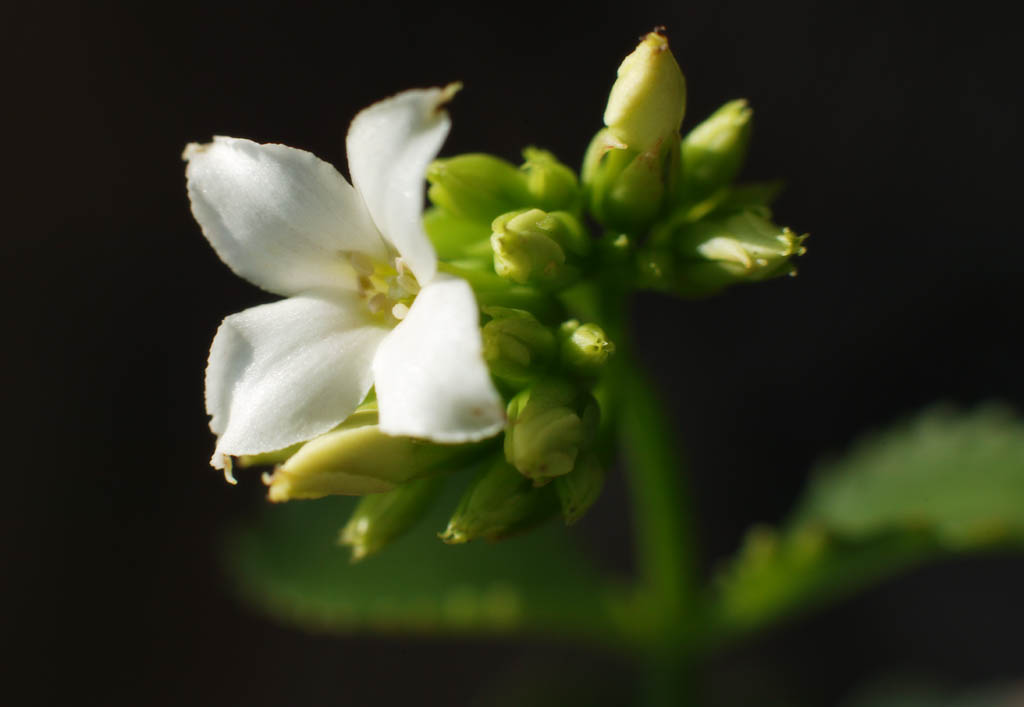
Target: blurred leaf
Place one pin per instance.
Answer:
(944, 482)
(289, 566)
(916, 693)
(959, 476)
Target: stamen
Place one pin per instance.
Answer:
(408, 283)
(399, 311)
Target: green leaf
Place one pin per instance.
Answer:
(959, 476)
(942, 483)
(289, 566)
(917, 693)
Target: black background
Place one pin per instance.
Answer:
(895, 126)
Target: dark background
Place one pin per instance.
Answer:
(897, 129)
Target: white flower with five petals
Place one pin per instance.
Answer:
(366, 305)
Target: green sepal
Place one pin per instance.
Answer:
(579, 489)
(500, 502)
(380, 518)
(627, 189)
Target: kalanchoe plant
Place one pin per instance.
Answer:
(471, 365)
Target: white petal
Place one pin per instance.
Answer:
(285, 372)
(279, 217)
(431, 379)
(389, 146)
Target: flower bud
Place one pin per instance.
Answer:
(379, 518)
(552, 185)
(499, 503)
(648, 100)
(530, 247)
(477, 186)
(585, 348)
(578, 489)
(356, 458)
(516, 345)
(548, 423)
(741, 247)
(713, 152)
(455, 237)
(627, 189)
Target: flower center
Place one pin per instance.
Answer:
(387, 288)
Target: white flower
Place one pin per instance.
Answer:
(365, 304)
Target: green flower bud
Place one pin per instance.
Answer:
(530, 247)
(552, 185)
(499, 503)
(455, 237)
(548, 423)
(627, 189)
(477, 186)
(356, 458)
(379, 518)
(578, 489)
(741, 247)
(517, 347)
(585, 348)
(648, 100)
(713, 152)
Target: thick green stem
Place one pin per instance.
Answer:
(666, 604)
(661, 504)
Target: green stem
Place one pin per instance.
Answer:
(662, 518)
(661, 504)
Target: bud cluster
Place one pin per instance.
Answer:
(670, 218)
(694, 231)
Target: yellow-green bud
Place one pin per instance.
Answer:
(648, 100)
(740, 247)
(552, 185)
(578, 489)
(379, 518)
(517, 347)
(477, 186)
(356, 458)
(530, 247)
(585, 348)
(713, 152)
(548, 423)
(499, 503)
